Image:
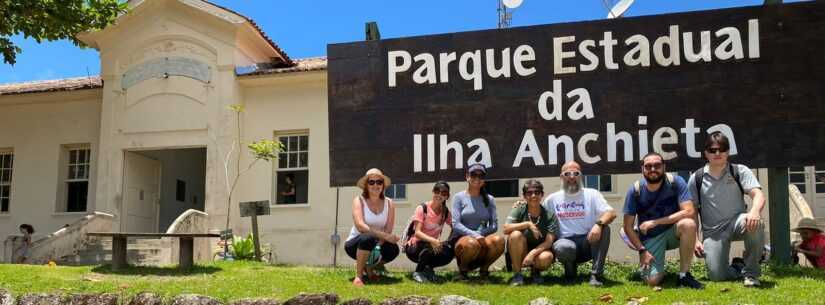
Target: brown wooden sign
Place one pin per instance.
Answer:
(254, 208)
(524, 100)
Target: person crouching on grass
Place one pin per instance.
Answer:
(475, 224)
(373, 217)
(812, 244)
(531, 230)
(424, 248)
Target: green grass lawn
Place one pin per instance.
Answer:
(234, 280)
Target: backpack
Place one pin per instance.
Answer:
(409, 232)
(698, 177)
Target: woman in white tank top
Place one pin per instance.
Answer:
(373, 218)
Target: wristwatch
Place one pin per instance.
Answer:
(601, 223)
(642, 250)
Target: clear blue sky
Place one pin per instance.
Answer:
(303, 27)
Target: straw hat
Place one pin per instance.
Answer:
(362, 183)
(806, 223)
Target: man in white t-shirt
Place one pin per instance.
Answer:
(584, 219)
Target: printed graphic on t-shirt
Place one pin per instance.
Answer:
(569, 210)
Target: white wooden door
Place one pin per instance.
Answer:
(141, 198)
(811, 183)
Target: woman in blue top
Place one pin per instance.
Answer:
(474, 226)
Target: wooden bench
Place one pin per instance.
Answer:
(119, 242)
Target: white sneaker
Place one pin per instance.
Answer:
(752, 282)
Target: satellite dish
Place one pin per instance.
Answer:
(618, 10)
(511, 4)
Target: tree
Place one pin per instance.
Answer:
(52, 20)
(266, 150)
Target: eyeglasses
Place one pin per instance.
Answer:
(442, 193)
(653, 166)
(374, 182)
(571, 174)
(716, 150)
(477, 175)
(533, 193)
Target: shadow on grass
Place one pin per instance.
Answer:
(796, 271)
(384, 280)
(159, 271)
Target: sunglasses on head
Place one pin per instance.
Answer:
(442, 193)
(653, 166)
(374, 182)
(533, 193)
(716, 150)
(477, 175)
(571, 174)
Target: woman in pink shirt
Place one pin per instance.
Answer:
(425, 248)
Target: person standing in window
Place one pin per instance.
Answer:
(475, 224)
(289, 194)
(371, 242)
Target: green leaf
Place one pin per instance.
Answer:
(53, 20)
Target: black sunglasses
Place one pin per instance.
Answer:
(715, 150)
(374, 182)
(477, 175)
(533, 193)
(653, 166)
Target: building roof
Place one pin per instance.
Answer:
(287, 61)
(66, 84)
(94, 82)
(301, 65)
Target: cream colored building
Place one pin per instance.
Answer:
(148, 139)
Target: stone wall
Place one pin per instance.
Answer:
(148, 298)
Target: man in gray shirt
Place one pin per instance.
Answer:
(724, 214)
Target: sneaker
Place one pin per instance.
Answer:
(738, 264)
(596, 280)
(569, 272)
(517, 279)
(752, 282)
(420, 277)
(430, 274)
(371, 276)
(536, 278)
(689, 282)
(484, 275)
(358, 282)
(381, 270)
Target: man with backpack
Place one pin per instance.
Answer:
(718, 189)
(666, 221)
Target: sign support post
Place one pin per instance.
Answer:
(780, 232)
(253, 209)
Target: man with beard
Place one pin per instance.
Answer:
(666, 221)
(584, 216)
(718, 189)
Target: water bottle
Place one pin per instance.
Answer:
(375, 256)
